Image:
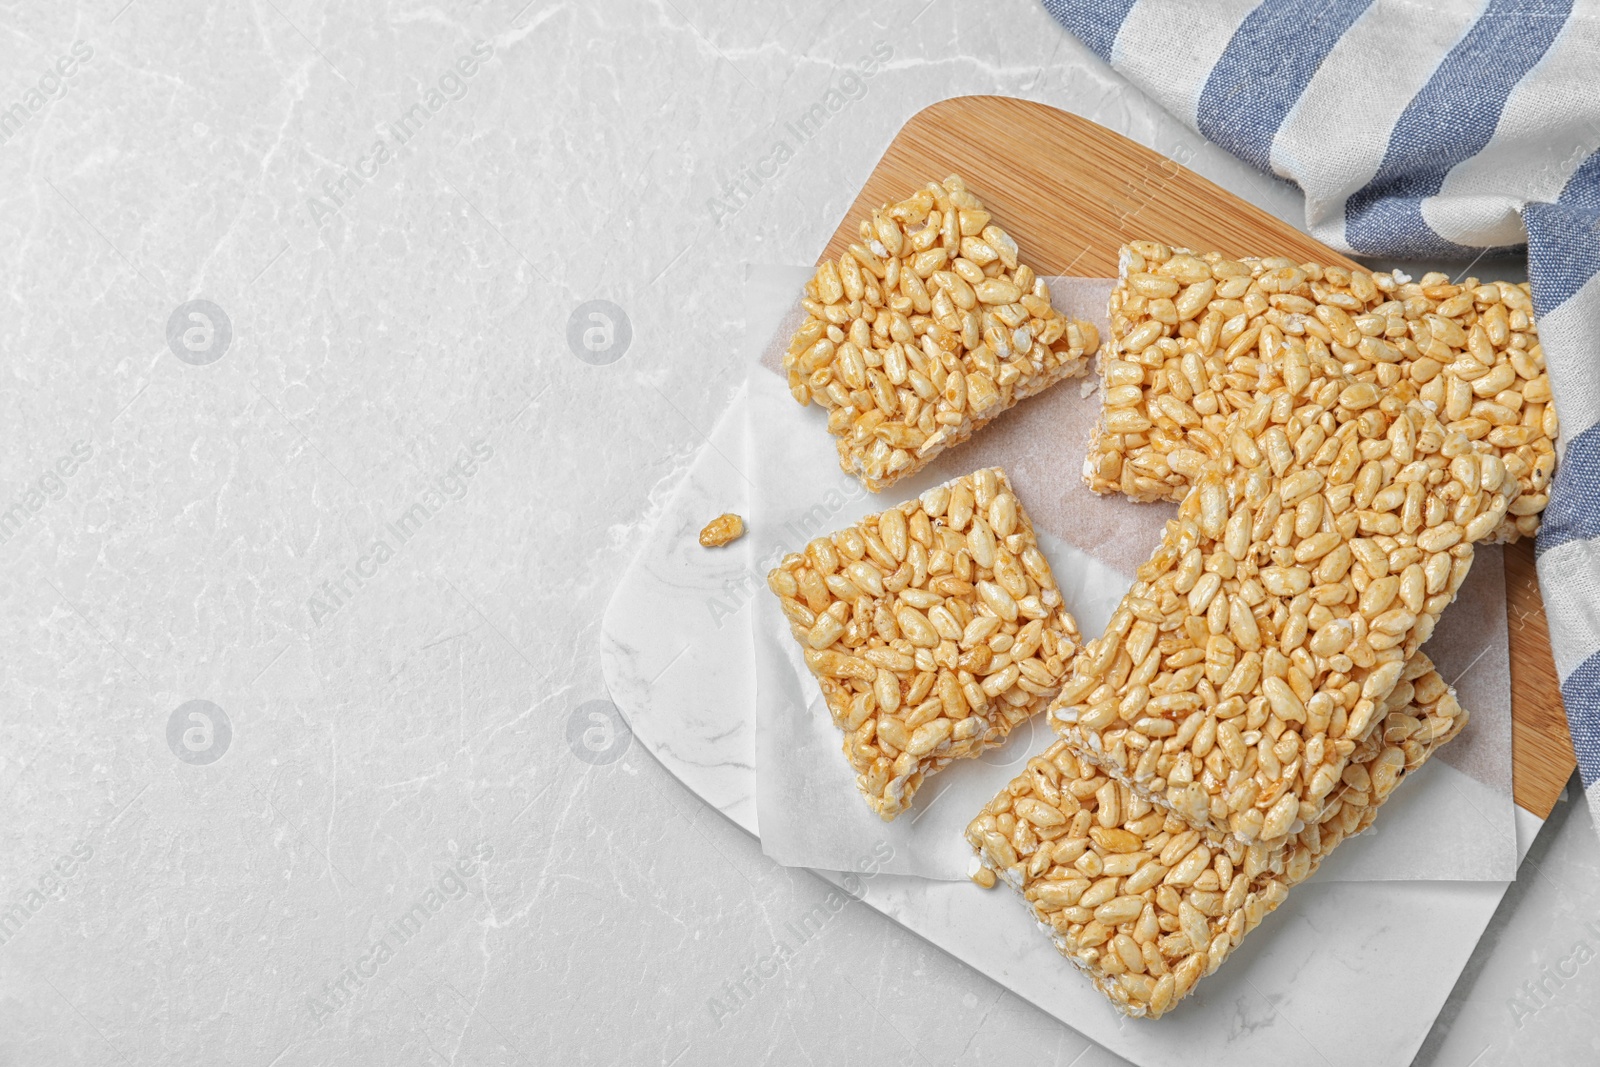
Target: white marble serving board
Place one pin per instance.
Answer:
(1342, 972)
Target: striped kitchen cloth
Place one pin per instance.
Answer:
(1432, 130)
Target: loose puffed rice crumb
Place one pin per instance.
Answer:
(934, 629)
(1190, 333)
(722, 530)
(924, 330)
(1145, 904)
(1311, 560)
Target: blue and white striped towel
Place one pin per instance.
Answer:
(1424, 131)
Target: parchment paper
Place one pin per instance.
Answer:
(1455, 821)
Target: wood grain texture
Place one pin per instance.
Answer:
(1541, 744)
(1072, 193)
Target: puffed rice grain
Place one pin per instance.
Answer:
(722, 530)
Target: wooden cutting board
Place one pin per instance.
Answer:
(1072, 193)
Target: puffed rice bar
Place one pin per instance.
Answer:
(933, 628)
(1144, 904)
(1189, 333)
(1312, 559)
(924, 331)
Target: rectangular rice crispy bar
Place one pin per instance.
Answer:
(1190, 332)
(923, 331)
(934, 629)
(1146, 905)
(1309, 563)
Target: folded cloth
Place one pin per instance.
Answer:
(1424, 131)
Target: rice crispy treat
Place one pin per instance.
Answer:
(934, 629)
(1146, 905)
(925, 330)
(1309, 563)
(1190, 332)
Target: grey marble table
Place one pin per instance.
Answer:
(321, 464)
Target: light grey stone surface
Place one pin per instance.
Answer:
(397, 287)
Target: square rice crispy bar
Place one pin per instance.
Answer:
(934, 629)
(923, 331)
